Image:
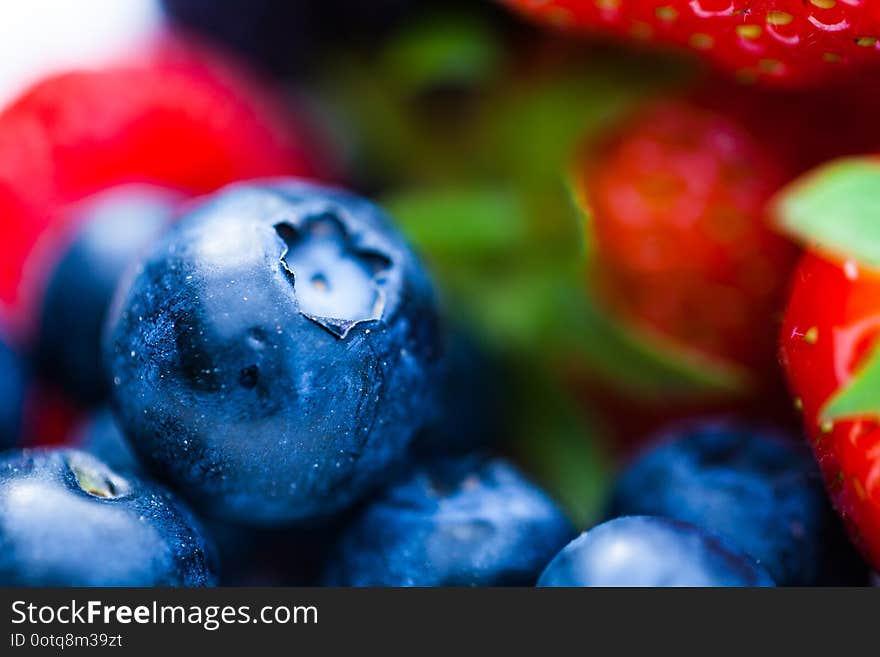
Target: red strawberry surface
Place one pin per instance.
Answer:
(806, 127)
(782, 41)
(832, 322)
(829, 342)
(682, 246)
(178, 116)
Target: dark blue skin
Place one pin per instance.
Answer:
(282, 36)
(462, 522)
(470, 414)
(646, 551)
(66, 519)
(255, 556)
(112, 229)
(101, 437)
(754, 487)
(276, 353)
(12, 390)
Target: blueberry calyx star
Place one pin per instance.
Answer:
(337, 284)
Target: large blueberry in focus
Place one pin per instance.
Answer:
(66, 519)
(757, 489)
(12, 387)
(462, 522)
(276, 353)
(112, 228)
(646, 551)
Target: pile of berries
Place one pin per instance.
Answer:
(220, 365)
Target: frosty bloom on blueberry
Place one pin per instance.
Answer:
(754, 486)
(648, 551)
(66, 519)
(276, 353)
(465, 521)
(112, 228)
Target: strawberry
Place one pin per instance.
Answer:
(837, 120)
(682, 249)
(782, 41)
(178, 115)
(829, 338)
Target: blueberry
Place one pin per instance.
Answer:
(456, 522)
(280, 35)
(12, 387)
(469, 415)
(646, 551)
(761, 491)
(276, 353)
(112, 228)
(100, 436)
(66, 519)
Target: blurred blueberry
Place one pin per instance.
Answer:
(100, 436)
(644, 551)
(66, 519)
(462, 522)
(259, 556)
(276, 354)
(282, 36)
(12, 391)
(469, 415)
(112, 228)
(761, 491)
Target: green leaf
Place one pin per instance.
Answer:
(545, 310)
(450, 100)
(837, 209)
(560, 445)
(446, 48)
(646, 363)
(538, 121)
(451, 222)
(860, 398)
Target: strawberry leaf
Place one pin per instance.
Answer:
(650, 364)
(562, 444)
(836, 209)
(858, 398)
(459, 221)
(444, 49)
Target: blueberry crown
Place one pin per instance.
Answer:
(338, 283)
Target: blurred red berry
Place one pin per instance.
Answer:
(782, 41)
(49, 416)
(681, 242)
(179, 116)
(806, 127)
